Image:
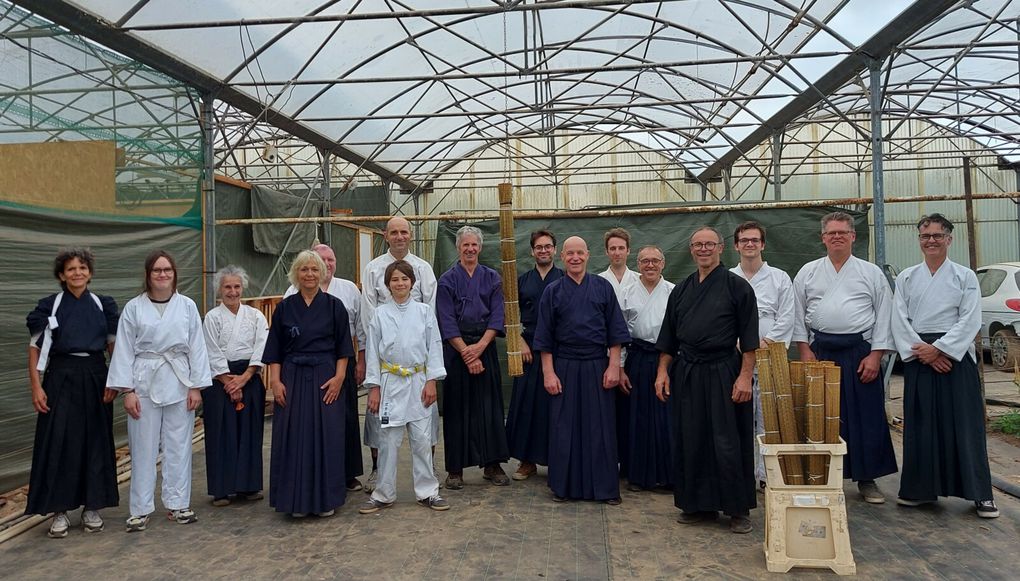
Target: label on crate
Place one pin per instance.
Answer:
(811, 529)
(810, 500)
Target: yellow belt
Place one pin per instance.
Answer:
(399, 370)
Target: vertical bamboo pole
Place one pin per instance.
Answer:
(770, 414)
(508, 253)
(832, 394)
(780, 368)
(815, 374)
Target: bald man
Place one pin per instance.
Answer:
(398, 235)
(349, 295)
(579, 334)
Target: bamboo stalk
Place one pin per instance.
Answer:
(797, 383)
(512, 311)
(780, 368)
(832, 395)
(815, 375)
(769, 412)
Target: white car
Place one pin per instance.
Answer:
(1000, 312)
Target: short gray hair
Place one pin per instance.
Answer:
(230, 270)
(718, 234)
(303, 258)
(469, 231)
(838, 217)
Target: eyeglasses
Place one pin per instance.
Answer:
(649, 261)
(746, 241)
(544, 247)
(704, 245)
(835, 233)
(937, 237)
(162, 271)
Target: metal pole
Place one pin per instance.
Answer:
(968, 196)
(208, 204)
(327, 198)
(777, 160)
(877, 177)
(1017, 204)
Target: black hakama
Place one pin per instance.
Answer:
(307, 473)
(527, 423)
(651, 462)
(862, 422)
(473, 431)
(233, 437)
(713, 437)
(73, 460)
(353, 461)
(945, 449)
(577, 324)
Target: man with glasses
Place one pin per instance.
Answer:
(643, 305)
(936, 315)
(843, 314)
(617, 242)
(708, 383)
(773, 291)
(527, 423)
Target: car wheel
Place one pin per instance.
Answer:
(1005, 348)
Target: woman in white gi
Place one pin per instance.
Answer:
(404, 356)
(234, 408)
(161, 365)
(73, 456)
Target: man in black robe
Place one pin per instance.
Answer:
(707, 344)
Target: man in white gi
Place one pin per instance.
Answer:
(936, 317)
(644, 305)
(349, 294)
(398, 236)
(843, 309)
(773, 290)
(617, 242)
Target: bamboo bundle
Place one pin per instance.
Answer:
(770, 414)
(508, 252)
(799, 394)
(780, 369)
(815, 375)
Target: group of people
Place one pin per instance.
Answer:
(626, 376)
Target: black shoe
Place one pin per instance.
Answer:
(690, 518)
(986, 509)
(614, 501)
(740, 525)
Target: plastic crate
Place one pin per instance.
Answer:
(773, 452)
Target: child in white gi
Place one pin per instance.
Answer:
(404, 358)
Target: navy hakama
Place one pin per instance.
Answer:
(73, 458)
(945, 449)
(713, 437)
(307, 473)
(353, 461)
(577, 324)
(651, 460)
(527, 422)
(862, 422)
(473, 430)
(233, 437)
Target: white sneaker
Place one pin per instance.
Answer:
(182, 516)
(59, 526)
(136, 523)
(369, 485)
(91, 521)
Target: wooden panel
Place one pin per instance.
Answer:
(72, 175)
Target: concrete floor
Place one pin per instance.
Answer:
(516, 533)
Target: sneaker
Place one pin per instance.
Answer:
(557, 498)
(254, 495)
(908, 502)
(369, 485)
(614, 501)
(59, 526)
(372, 505)
(986, 509)
(869, 490)
(182, 516)
(634, 488)
(435, 503)
(137, 523)
(524, 471)
(327, 513)
(298, 514)
(740, 525)
(91, 521)
(496, 475)
(354, 485)
(454, 481)
(221, 501)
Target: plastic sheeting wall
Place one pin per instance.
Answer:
(29, 240)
